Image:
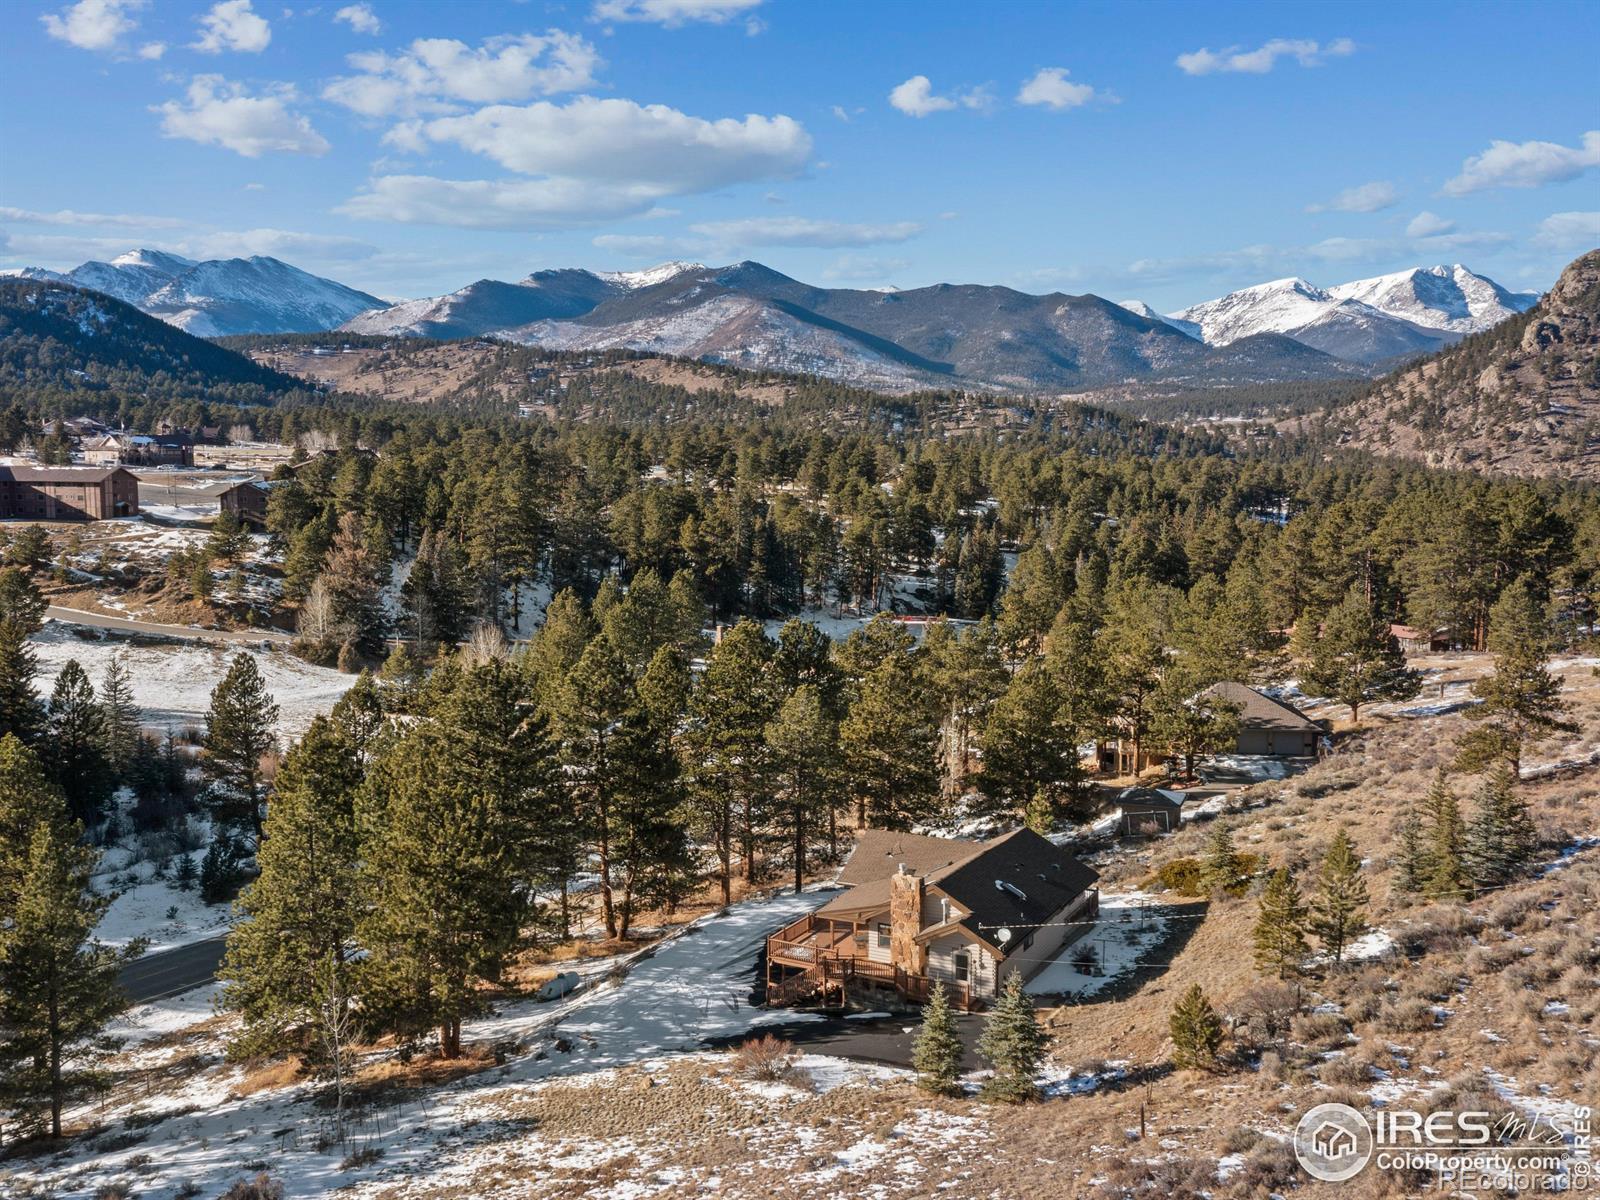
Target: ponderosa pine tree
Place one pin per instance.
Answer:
(73, 749)
(729, 761)
(1280, 932)
(1027, 754)
(1013, 1045)
(1356, 660)
(1410, 857)
(966, 675)
(436, 597)
(890, 741)
(1521, 699)
(297, 918)
(1222, 869)
(241, 729)
(1196, 1032)
(1338, 909)
(806, 771)
(58, 987)
(1132, 645)
(937, 1051)
(1189, 720)
(1500, 838)
(350, 574)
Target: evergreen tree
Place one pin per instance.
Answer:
(229, 539)
(297, 918)
(1027, 755)
(1196, 1032)
(241, 729)
(350, 576)
(1190, 720)
(1280, 933)
(1013, 1044)
(804, 743)
(122, 717)
(58, 987)
(890, 741)
(966, 675)
(436, 596)
(1222, 870)
(21, 615)
(1411, 860)
(937, 1051)
(1356, 660)
(1521, 699)
(74, 748)
(1500, 838)
(1338, 910)
(729, 760)
(1444, 873)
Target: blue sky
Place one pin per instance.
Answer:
(1165, 152)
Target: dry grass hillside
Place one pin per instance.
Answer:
(1520, 399)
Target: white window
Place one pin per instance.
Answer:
(883, 936)
(963, 967)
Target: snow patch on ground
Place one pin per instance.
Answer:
(1127, 929)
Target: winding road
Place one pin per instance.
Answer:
(157, 976)
(190, 633)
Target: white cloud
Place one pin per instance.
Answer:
(277, 243)
(801, 231)
(1427, 224)
(219, 113)
(1262, 59)
(854, 268)
(1051, 88)
(673, 13)
(232, 25)
(151, 51)
(1525, 164)
(496, 203)
(639, 245)
(916, 98)
(1366, 198)
(360, 18)
(620, 142)
(93, 24)
(1569, 231)
(67, 216)
(435, 75)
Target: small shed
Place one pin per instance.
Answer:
(1149, 811)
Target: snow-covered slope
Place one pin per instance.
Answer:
(650, 275)
(1452, 298)
(489, 306)
(1368, 320)
(1140, 309)
(220, 296)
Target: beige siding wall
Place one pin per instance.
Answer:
(942, 963)
(875, 951)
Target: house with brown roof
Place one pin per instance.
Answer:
(67, 493)
(140, 450)
(921, 910)
(1268, 725)
(247, 501)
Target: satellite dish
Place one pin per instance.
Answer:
(1005, 936)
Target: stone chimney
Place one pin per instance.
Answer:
(905, 922)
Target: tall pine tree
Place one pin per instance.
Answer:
(241, 729)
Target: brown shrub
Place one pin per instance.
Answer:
(262, 1187)
(765, 1058)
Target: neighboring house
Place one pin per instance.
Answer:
(247, 501)
(1149, 811)
(1116, 756)
(1419, 641)
(68, 493)
(924, 909)
(1268, 726)
(140, 450)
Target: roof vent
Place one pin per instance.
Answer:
(1000, 885)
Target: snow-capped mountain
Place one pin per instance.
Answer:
(1452, 298)
(1140, 308)
(650, 275)
(490, 305)
(220, 296)
(1368, 320)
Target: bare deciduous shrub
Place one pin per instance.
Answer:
(1269, 1167)
(1264, 1013)
(765, 1058)
(1323, 1030)
(262, 1187)
(1431, 983)
(1347, 1071)
(1239, 1140)
(1406, 1016)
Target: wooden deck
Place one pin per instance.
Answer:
(829, 957)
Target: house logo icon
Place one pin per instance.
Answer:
(1333, 1142)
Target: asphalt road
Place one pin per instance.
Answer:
(156, 976)
(78, 616)
(883, 1039)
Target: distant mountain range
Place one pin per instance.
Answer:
(219, 296)
(748, 315)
